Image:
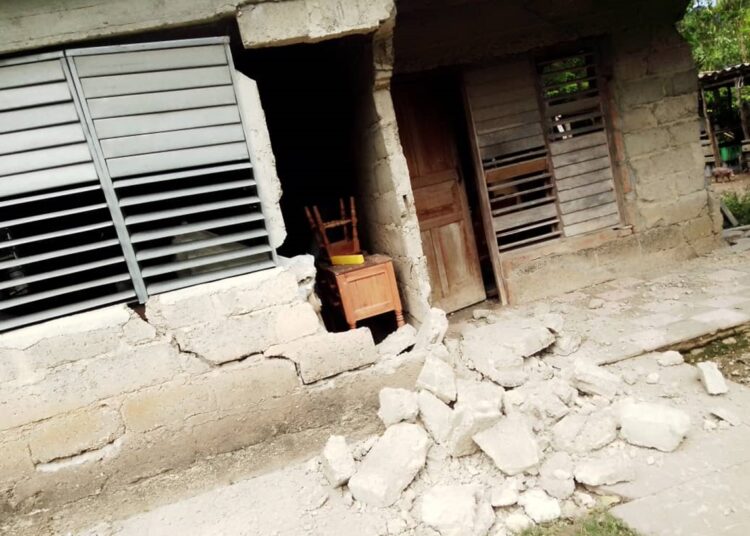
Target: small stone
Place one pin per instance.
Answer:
(729, 341)
(595, 380)
(712, 378)
(596, 303)
(553, 322)
(433, 329)
(650, 460)
(726, 415)
(653, 378)
(391, 465)
(670, 359)
(437, 377)
(653, 425)
(456, 511)
(567, 344)
(539, 506)
(511, 444)
(583, 499)
(604, 471)
(436, 416)
(517, 522)
(397, 405)
(556, 476)
(709, 425)
(630, 376)
(505, 494)
(337, 461)
(481, 314)
(399, 341)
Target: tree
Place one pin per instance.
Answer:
(718, 31)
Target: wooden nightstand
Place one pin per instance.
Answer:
(361, 291)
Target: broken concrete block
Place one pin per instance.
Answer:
(480, 314)
(539, 506)
(498, 351)
(391, 465)
(653, 378)
(456, 511)
(595, 380)
(653, 425)
(397, 405)
(567, 344)
(712, 378)
(437, 377)
(327, 354)
(481, 396)
(467, 422)
(433, 329)
(604, 471)
(511, 444)
(579, 433)
(517, 522)
(556, 476)
(670, 358)
(337, 461)
(436, 416)
(726, 415)
(505, 494)
(399, 341)
(596, 303)
(553, 322)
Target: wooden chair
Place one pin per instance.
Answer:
(346, 226)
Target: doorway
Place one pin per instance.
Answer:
(430, 115)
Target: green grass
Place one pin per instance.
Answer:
(739, 206)
(594, 524)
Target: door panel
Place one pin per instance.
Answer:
(428, 140)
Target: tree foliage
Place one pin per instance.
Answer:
(718, 31)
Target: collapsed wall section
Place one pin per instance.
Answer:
(93, 402)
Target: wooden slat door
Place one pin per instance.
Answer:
(429, 143)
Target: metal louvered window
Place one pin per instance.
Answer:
(124, 172)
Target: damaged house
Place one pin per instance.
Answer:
(153, 307)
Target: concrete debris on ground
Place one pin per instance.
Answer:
(510, 424)
(399, 341)
(337, 461)
(712, 378)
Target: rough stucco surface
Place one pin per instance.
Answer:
(95, 401)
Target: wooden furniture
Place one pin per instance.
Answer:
(361, 291)
(345, 226)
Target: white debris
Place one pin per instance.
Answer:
(482, 396)
(630, 376)
(596, 303)
(712, 378)
(337, 461)
(653, 425)
(480, 314)
(604, 471)
(567, 344)
(517, 522)
(506, 494)
(399, 341)
(595, 380)
(391, 465)
(709, 425)
(653, 378)
(397, 405)
(433, 329)
(511, 444)
(456, 511)
(467, 422)
(556, 476)
(361, 448)
(436, 416)
(553, 322)
(726, 415)
(670, 359)
(539, 506)
(578, 433)
(437, 377)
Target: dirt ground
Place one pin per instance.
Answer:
(731, 354)
(740, 184)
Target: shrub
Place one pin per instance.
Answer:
(739, 205)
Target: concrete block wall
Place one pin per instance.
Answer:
(93, 402)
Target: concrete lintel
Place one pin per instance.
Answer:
(309, 21)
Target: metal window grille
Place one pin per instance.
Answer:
(124, 172)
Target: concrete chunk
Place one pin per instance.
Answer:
(670, 359)
(433, 329)
(712, 378)
(517, 522)
(482, 396)
(511, 445)
(456, 511)
(436, 416)
(539, 506)
(505, 494)
(336, 461)
(579, 434)
(437, 377)
(726, 415)
(604, 471)
(556, 476)
(399, 341)
(391, 465)
(595, 380)
(467, 422)
(397, 405)
(653, 425)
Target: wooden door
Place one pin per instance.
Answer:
(428, 138)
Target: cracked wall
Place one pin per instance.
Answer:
(98, 400)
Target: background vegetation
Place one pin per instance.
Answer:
(718, 31)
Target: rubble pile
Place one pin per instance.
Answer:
(505, 428)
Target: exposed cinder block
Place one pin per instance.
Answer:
(73, 433)
(166, 405)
